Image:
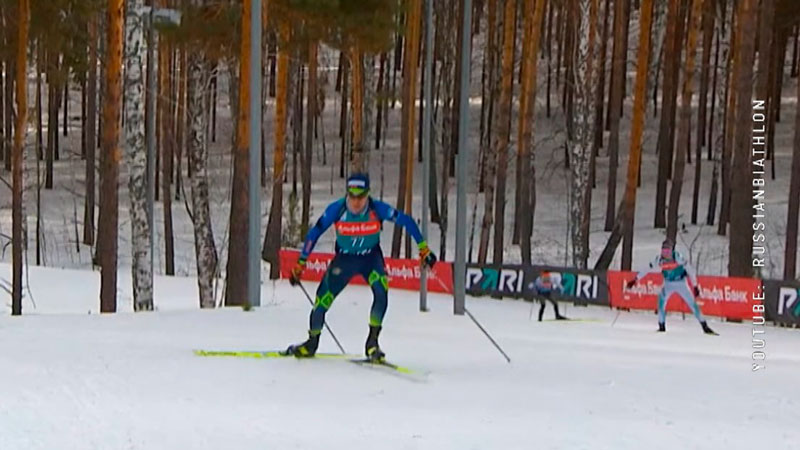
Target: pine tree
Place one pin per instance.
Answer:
(685, 121)
(236, 270)
(741, 242)
(18, 237)
(110, 157)
(623, 226)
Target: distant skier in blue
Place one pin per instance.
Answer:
(358, 220)
(675, 270)
(544, 286)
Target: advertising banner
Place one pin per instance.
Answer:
(579, 286)
(505, 281)
(719, 296)
(517, 281)
(402, 273)
(782, 302)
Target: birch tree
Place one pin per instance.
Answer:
(137, 158)
(579, 143)
(204, 247)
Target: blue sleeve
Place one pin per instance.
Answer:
(331, 215)
(387, 212)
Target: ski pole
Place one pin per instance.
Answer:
(326, 325)
(487, 334)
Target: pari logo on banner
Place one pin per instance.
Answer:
(579, 285)
(505, 281)
(789, 301)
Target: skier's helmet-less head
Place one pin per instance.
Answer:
(666, 248)
(357, 192)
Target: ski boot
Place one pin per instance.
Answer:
(707, 329)
(305, 350)
(372, 349)
(662, 327)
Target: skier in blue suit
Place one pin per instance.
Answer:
(544, 287)
(358, 220)
(676, 270)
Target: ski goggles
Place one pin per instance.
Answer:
(357, 192)
(357, 188)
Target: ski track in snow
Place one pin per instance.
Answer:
(74, 379)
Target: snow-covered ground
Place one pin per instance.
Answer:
(73, 379)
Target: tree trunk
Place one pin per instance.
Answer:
(549, 47)
(741, 243)
(9, 113)
(65, 116)
(580, 144)
(623, 226)
(312, 114)
(165, 126)
(534, 14)
(790, 254)
(52, 121)
(17, 236)
(448, 125)
(794, 52)
(503, 136)
(343, 110)
(455, 94)
(411, 51)
(488, 161)
(672, 58)
(91, 122)
(273, 58)
(765, 47)
(110, 157)
(181, 123)
(137, 158)
(236, 292)
(775, 89)
(39, 112)
(718, 28)
(3, 64)
(707, 26)
(204, 247)
(601, 82)
(215, 90)
(685, 121)
(730, 77)
(357, 162)
(272, 240)
(297, 118)
(614, 112)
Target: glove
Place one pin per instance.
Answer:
(631, 283)
(697, 291)
(426, 256)
(294, 277)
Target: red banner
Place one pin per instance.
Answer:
(719, 296)
(402, 273)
